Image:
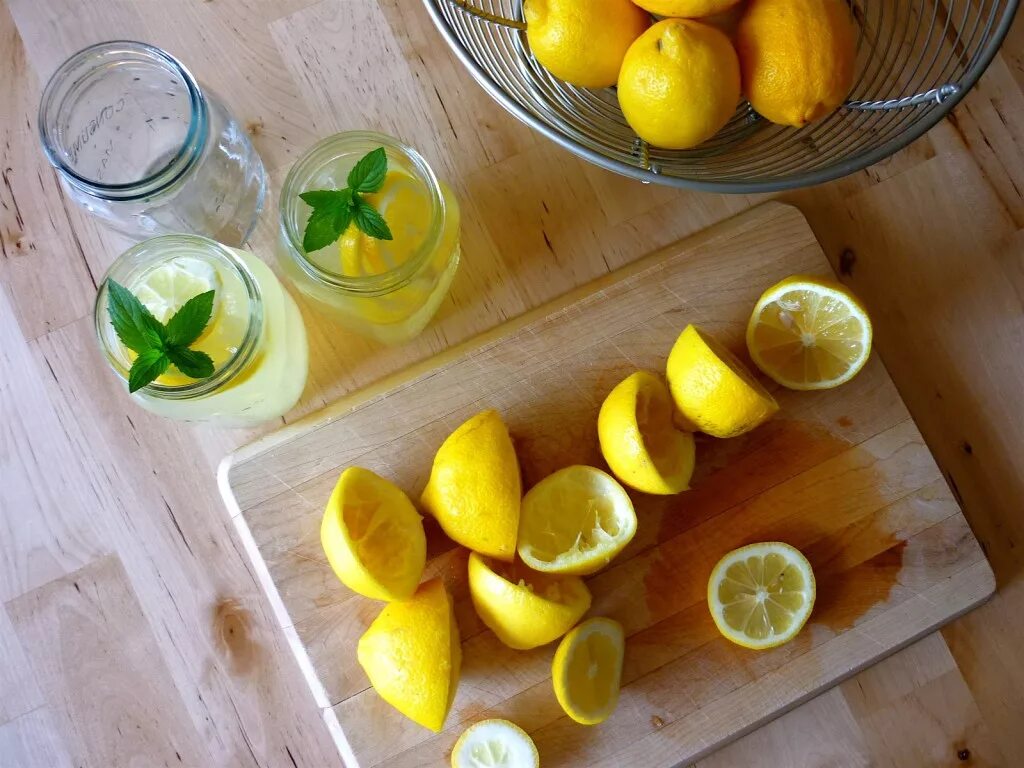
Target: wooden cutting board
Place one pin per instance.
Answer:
(843, 475)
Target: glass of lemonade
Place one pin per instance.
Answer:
(255, 335)
(386, 289)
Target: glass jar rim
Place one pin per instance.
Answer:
(148, 252)
(370, 285)
(50, 107)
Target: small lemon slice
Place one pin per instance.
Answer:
(575, 521)
(761, 595)
(495, 744)
(524, 608)
(166, 287)
(639, 440)
(373, 537)
(713, 390)
(809, 333)
(587, 670)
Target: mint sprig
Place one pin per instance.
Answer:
(335, 209)
(159, 346)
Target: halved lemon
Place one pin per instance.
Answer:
(639, 440)
(587, 670)
(373, 536)
(495, 743)
(165, 288)
(809, 332)
(761, 595)
(575, 521)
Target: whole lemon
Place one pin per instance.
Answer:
(680, 83)
(583, 41)
(687, 9)
(797, 58)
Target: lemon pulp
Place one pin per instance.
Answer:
(587, 670)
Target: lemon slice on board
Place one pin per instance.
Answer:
(166, 287)
(524, 608)
(761, 595)
(714, 391)
(575, 521)
(639, 440)
(587, 670)
(809, 333)
(495, 744)
(373, 536)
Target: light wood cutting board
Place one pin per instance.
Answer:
(843, 475)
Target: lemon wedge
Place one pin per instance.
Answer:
(524, 608)
(165, 288)
(761, 595)
(373, 537)
(713, 390)
(495, 744)
(575, 521)
(809, 333)
(639, 440)
(587, 670)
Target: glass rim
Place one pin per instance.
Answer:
(371, 285)
(234, 364)
(159, 180)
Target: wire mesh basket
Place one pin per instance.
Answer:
(916, 59)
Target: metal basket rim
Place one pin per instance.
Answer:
(782, 184)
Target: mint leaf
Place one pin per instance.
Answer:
(148, 366)
(321, 198)
(342, 220)
(134, 325)
(191, 362)
(320, 229)
(368, 174)
(190, 321)
(370, 221)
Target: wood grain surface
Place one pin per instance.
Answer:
(843, 475)
(931, 239)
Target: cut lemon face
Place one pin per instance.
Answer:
(587, 670)
(639, 440)
(809, 333)
(524, 608)
(373, 537)
(495, 744)
(575, 521)
(715, 393)
(761, 595)
(165, 288)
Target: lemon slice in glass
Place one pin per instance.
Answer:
(575, 521)
(587, 670)
(373, 536)
(166, 287)
(809, 333)
(495, 744)
(761, 595)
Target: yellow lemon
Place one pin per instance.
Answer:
(495, 743)
(761, 595)
(583, 41)
(639, 440)
(524, 608)
(575, 521)
(474, 490)
(797, 57)
(411, 654)
(373, 537)
(809, 332)
(686, 9)
(679, 84)
(713, 390)
(587, 670)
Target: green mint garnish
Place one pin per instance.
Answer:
(159, 346)
(335, 209)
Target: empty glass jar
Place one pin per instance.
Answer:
(138, 144)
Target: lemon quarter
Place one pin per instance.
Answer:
(587, 670)
(495, 744)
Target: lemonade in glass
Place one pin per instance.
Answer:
(385, 288)
(254, 340)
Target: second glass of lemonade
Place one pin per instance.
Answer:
(385, 289)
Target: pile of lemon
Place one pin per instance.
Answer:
(680, 79)
(528, 553)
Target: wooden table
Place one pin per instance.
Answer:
(132, 629)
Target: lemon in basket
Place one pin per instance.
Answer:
(686, 9)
